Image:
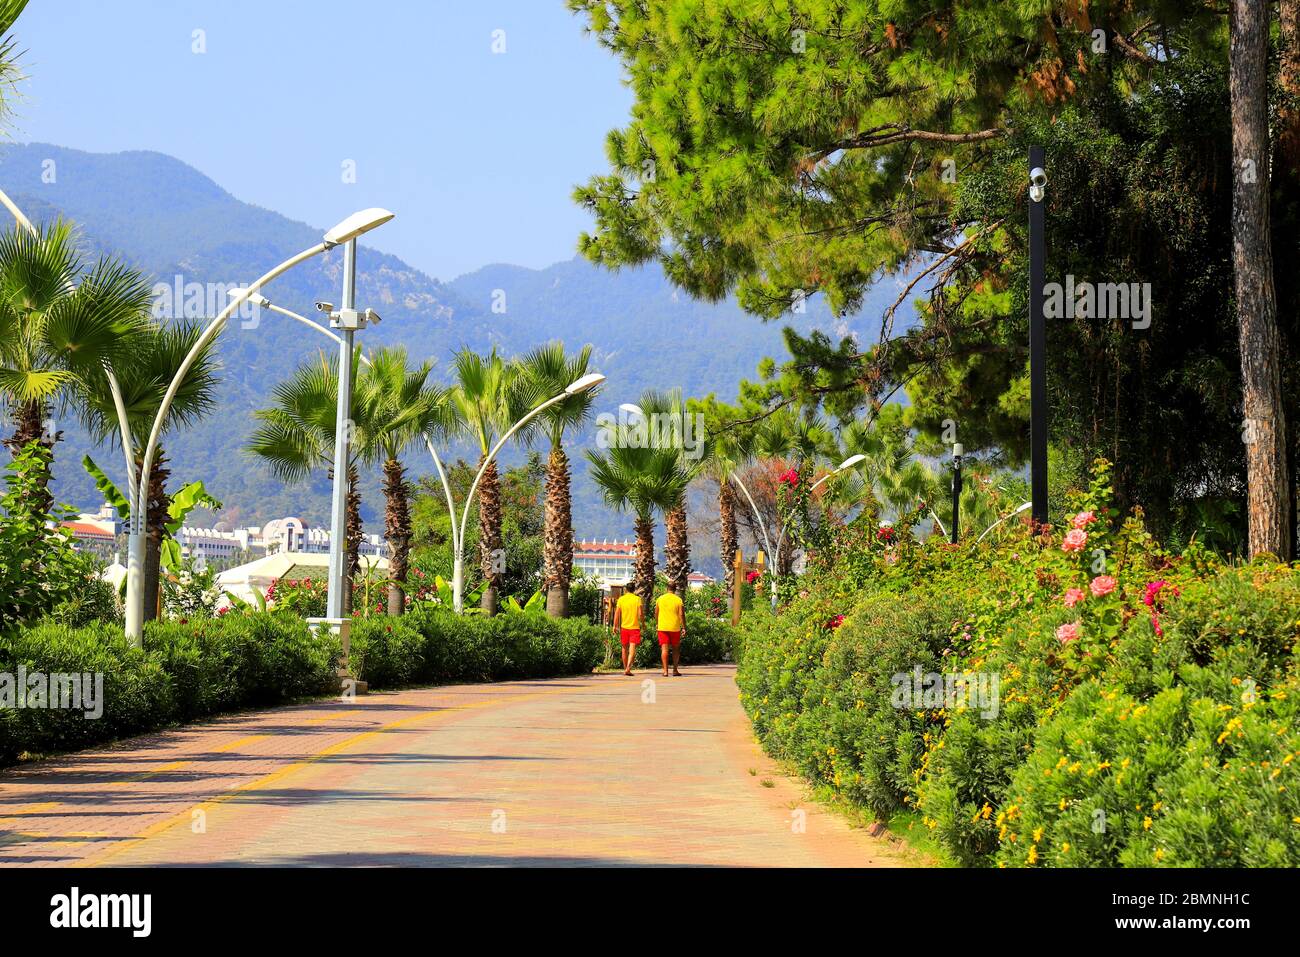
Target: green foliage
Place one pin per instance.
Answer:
(1145, 705)
(39, 568)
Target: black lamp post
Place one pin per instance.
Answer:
(1037, 338)
(957, 451)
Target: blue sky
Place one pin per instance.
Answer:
(476, 151)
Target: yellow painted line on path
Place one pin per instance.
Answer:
(275, 777)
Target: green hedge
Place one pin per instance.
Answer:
(706, 640)
(192, 670)
(1165, 734)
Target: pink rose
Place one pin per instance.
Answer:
(1068, 632)
(1073, 596)
(1083, 519)
(1075, 539)
(1102, 585)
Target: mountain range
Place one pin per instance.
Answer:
(178, 226)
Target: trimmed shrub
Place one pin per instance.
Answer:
(1145, 709)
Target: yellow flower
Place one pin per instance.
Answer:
(1038, 834)
(1160, 853)
(1065, 848)
(1146, 824)
(1033, 854)
(1062, 804)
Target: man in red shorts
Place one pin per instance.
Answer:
(672, 625)
(627, 622)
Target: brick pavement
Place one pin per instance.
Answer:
(587, 771)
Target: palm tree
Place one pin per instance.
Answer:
(400, 407)
(143, 379)
(670, 422)
(727, 451)
(633, 477)
(892, 477)
(54, 332)
(546, 372)
(486, 402)
(297, 437)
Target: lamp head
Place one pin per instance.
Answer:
(958, 450)
(632, 409)
(585, 384)
(851, 461)
(356, 224)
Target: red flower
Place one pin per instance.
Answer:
(835, 621)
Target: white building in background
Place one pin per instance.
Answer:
(257, 576)
(278, 536)
(610, 562)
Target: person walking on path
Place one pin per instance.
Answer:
(672, 625)
(627, 622)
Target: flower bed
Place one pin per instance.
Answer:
(1142, 705)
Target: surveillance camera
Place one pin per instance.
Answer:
(370, 316)
(324, 306)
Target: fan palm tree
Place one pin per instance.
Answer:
(486, 400)
(672, 431)
(297, 438)
(143, 379)
(400, 406)
(56, 332)
(634, 477)
(892, 477)
(546, 372)
(727, 451)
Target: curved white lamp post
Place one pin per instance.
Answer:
(1012, 514)
(257, 299)
(119, 404)
(584, 384)
(345, 234)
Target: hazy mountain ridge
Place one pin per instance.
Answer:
(170, 220)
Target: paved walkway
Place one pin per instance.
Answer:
(593, 770)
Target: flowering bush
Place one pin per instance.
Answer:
(1145, 694)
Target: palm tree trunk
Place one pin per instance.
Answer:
(557, 568)
(30, 426)
(644, 583)
(1268, 488)
(491, 554)
(353, 534)
(397, 528)
(730, 535)
(677, 548)
(155, 529)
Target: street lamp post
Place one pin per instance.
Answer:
(584, 384)
(349, 229)
(957, 451)
(1037, 338)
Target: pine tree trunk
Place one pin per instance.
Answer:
(489, 537)
(29, 426)
(557, 566)
(677, 548)
(1288, 81)
(644, 583)
(397, 529)
(155, 529)
(730, 536)
(353, 534)
(1268, 488)
(1286, 234)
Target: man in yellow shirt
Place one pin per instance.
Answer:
(671, 626)
(627, 622)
